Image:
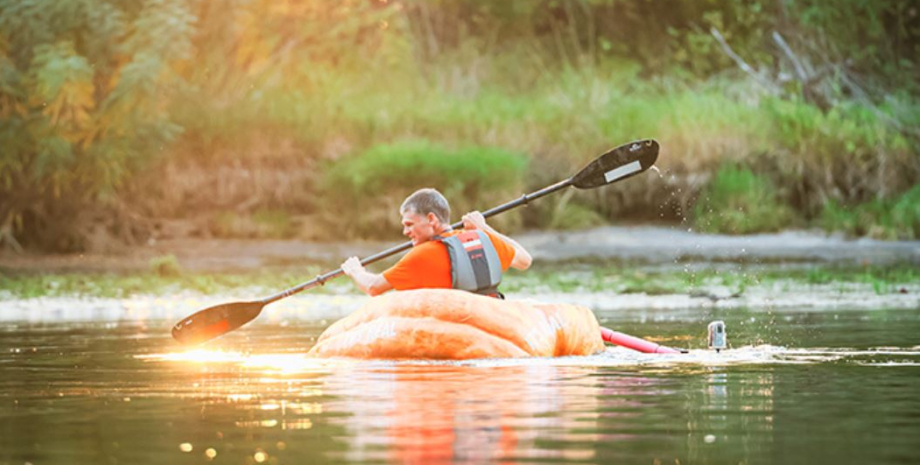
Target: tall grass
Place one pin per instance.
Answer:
(364, 191)
(564, 118)
(738, 201)
(897, 218)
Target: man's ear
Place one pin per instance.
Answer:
(433, 219)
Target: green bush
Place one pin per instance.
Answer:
(368, 189)
(261, 224)
(897, 218)
(848, 153)
(574, 216)
(165, 266)
(81, 91)
(738, 201)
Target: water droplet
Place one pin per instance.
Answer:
(260, 456)
(186, 447)
(709, 439)
(210, 453)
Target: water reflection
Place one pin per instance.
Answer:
(95, 393)
(427, 414)
(405, 412)
(731, 408)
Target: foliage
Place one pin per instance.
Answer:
(369, 187)
(98, 96)
(81, 97)
(854, 154)
(165, 266)
(261, 224)
(897, 218)
(574, 216)
(551, 277)
(738, 201)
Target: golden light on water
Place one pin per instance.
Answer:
(271, 363)
(260, 456)
(210, 453)
(270, 423)
(186, 447)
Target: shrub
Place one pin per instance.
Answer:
(371, 186)
(81, 87)
(738, 201)
(566, 215)
(897, 218)
(261, 224)
(165, 266)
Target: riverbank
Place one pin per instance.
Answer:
(641, 245)
(612, 268)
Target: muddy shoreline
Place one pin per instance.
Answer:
(676, 251)
(651, 245)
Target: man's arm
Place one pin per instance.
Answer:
(522, 258)
(371, 284)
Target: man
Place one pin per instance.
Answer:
(471, 259)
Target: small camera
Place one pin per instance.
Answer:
(717, 336)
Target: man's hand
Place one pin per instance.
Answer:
(369, 283)
(352, 266)
(475, 220)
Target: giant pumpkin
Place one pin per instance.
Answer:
(455, 325)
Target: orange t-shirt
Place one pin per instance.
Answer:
(427, 265)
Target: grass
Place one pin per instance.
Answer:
(564, 278)
(373, 184)
(897, 218)
(373, 132)
(165, 266)
(260, 224)
(565, 118)
(738, 201)
(153, 282)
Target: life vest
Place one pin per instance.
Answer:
(474, 263)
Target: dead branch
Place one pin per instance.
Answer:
(772, 88)
(796, 63)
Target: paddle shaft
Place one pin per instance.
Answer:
(635, 343)
(321, 279)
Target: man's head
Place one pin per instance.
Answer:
(425, 214)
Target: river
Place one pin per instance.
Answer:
(796, 385)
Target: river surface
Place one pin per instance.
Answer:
(796, 385)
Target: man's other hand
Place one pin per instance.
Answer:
(475, 220)
(352, 266)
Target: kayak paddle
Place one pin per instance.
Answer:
(616, 164)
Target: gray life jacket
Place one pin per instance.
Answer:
(474, 263)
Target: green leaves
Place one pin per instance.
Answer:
(739, 201)
(373, 184)
(82, 88)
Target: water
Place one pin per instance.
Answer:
(795, 386)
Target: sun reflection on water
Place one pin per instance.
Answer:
(273, 363)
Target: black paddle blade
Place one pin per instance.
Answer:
(215, 321)
(619, 163)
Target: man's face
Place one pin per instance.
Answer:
(419, 228)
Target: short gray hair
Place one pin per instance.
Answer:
(425, 201)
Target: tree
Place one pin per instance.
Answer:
(83, 86)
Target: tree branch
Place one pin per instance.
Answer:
(742, 64)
